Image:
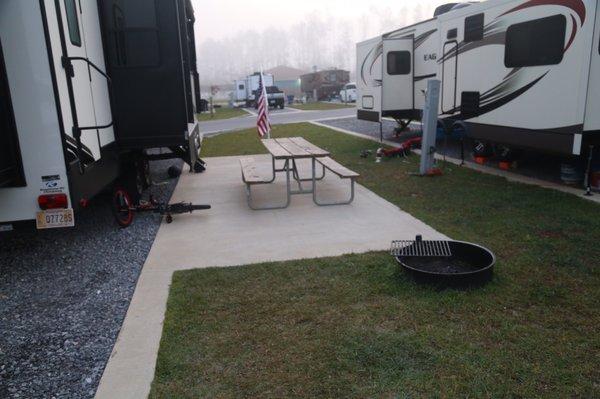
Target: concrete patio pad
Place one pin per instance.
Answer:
(231, 234)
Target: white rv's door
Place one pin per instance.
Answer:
(449, 76)
(398, 82)
(73, 19)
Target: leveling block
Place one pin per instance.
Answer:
(124, 210)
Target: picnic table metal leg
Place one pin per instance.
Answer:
(288, 192)
(274, 172)
(349, 201)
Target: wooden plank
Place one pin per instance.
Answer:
(275, 149)
(337, 168)
(249, 172)
(309, 147)
(294, 149)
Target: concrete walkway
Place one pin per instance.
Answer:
(232, 234)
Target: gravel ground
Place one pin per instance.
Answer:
(64, 295)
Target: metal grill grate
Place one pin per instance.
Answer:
(421, 248)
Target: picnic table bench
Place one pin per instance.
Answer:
(289, 150)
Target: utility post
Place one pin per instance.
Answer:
(430, 118)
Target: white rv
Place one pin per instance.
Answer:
(239, 90)
(252, 85)
(85, 88)
(524, 73)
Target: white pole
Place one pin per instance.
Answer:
(430, 117)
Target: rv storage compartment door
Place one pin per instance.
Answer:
(149, 70)
(449, 74)
(398, 83)
(11, 174)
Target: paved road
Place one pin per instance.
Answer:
(278, 117)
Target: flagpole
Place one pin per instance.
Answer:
(262, 79)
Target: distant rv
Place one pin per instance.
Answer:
(523, 73)
(245, 88)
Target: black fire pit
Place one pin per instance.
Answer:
(445, 263)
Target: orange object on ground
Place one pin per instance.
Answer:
(434, 172)
(595, 180)
(481, 160)
(505, 165)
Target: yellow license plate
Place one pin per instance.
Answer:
(55, 218)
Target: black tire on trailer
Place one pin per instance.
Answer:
(122, 207)
(174, 171)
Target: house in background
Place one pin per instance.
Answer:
(322, 85)
(287, 79)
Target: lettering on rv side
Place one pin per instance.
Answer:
(430, 57)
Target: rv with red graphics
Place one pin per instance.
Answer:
(523, 73)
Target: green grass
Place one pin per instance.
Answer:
(222, 113)
(357, 327)
(320, 106)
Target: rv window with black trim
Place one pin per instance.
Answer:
(73, 22)
(535, 43)
(399, 63)
(474, 28)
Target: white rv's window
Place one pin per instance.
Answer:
(535, 43)
(72, 22)
(241, 87)
(399, 63)
(474, 28)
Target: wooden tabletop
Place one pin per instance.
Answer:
(293, 147)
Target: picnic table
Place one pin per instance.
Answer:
(290, 150)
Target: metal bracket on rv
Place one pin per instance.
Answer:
(67, 63)
(68, 66)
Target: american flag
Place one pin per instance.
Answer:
(262, 123)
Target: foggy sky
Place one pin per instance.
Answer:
(235, 38)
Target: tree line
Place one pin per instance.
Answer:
(320, 40)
